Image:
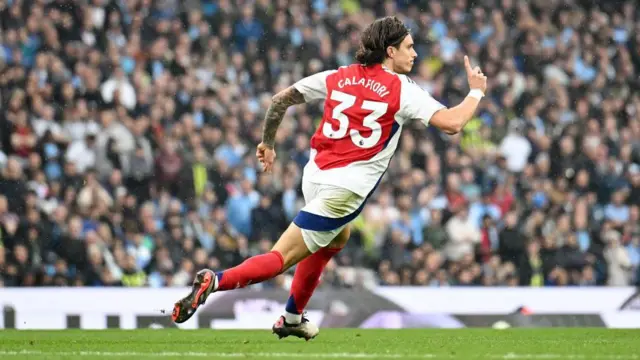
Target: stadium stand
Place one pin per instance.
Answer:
(128, 128)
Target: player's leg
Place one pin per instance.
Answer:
(307, 276)
(305, 280)
(287, 251)
(324, 222)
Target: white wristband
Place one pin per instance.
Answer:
(476, 94)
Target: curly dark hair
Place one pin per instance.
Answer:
(382, 33)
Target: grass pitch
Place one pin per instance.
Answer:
(543, 344)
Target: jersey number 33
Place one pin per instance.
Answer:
(346, 101)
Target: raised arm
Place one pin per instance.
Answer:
(453, 120)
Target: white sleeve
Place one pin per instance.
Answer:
(416, 103)
(71, 151)
(315, 86)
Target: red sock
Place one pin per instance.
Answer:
(307, 278)
(252, 271)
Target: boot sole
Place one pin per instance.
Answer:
(184, 309)
(283, 332)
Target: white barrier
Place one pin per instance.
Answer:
(129, 308)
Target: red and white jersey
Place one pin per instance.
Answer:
(364, 111)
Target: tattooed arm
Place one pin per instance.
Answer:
(280, 103)
(310, 88)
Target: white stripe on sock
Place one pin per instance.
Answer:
(291, 318)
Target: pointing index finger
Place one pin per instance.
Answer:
(467, 65)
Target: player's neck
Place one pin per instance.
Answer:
(387, 64)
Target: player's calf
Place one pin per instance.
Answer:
(289, 250)
(307, 276)
(252, 271)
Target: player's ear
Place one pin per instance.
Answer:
(391, 51)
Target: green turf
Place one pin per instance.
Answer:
(330, 344)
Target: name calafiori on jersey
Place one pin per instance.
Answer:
(375, 86)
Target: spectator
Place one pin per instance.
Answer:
(232, 151)
(83, 153)
(489, 240)
(478, 210)
(618, 259)
(46, 124)
(168, 165)
(515, 148)
(13, 186)
(240, 205)
(118, 89)
(138, 170)
(617, 211)
(267, 219)
(93, 193)
(195, 176)
(248, 28)
(435, 234)
(23, 139)
(463, 234)
(114, 142)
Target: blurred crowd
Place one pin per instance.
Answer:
(128, 128)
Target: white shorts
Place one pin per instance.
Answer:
(327, 212)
